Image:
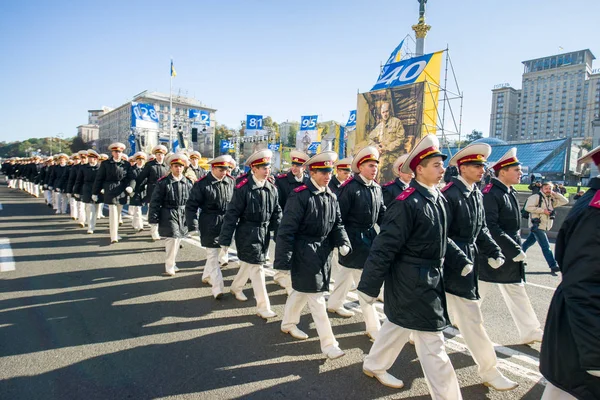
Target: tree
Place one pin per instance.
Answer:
(586, 144)
(221, 133)
(474, 135)
(78, 144)
(292, 136)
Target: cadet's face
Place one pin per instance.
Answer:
(159, 157)
(140, 162)
(369, 169)
(93, 161)
(116, 155)
(261, 172)
(321, 177)
(343, 174)
(472, 173)
(297, 170)
(511, 175)
(219, 172)
(176, 169)
(432, 173)
(194, 161)
(406, 177)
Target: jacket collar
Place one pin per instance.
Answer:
(314, 190)
(360, 179)
(496, 182)
(423, 191)
(462, 187)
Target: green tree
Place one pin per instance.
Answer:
(474, 135)
(78, 144)
(221, 133)
(292, 136)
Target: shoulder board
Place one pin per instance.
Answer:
(242, 183)
(347, 181)
(596, 200)
(487, 188)
(281, 176)
(271, 179)
(406, 193)
(388, 183)
(201, 178)
(161, 178)
(300, 188)
(448, 185)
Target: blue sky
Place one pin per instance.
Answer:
(279, 58)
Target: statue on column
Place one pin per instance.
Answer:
(422, 10)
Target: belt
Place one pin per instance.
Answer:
(424, 262)
(253, 223)
(463, 240)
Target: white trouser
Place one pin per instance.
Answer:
(171, 247)
(437, 368)
(114, 211)
(81, 212)
(335, 266)
(55, 200)
(317, 305)
(553, 393)
(90, 215)
(154, 231)
(48, 195)
(212, 271)
(137, 221)
(99, 209)
(284, 278)
(73, 207)
(466, 314)
(20, 184)
(518, 304)
(65, 203)
(256, 274)
(346, 277)
(36, 190)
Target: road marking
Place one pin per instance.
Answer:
(7, 261)
(541, 286)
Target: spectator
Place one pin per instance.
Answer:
(541, 208)
(535, 187)
(578, 195)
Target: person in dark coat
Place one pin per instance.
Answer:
(137, 197)
(361, 206)
(343, 170)
(467, 228)
(111, 180)
(167, 208)
(570, 355)
(286, 183)
(392, 189)
(45, 179)
(253, 213)
(59, 201)
(83, 189)
(310, 229)
(73, 171)
(503, 218)
(146, 180)
(211, 194)
(408, 255)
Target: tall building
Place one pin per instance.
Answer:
(90, 131)
(116, 125)
(560, 97)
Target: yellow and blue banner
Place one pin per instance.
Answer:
(173, 72)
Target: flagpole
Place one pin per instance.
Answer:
(171, 105)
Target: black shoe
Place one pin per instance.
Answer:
(554, 270)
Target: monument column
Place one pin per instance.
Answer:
(421, 29)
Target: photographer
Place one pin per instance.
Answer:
(541, 208)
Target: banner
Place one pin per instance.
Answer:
(403, 72)
(431, 76)
(308, 134)
(199, 117)
(226, 146)
(391, 120)
(131, 144)
(143, 116)
(351, 119)
(253, 125)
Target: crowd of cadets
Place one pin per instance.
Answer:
(436, 251)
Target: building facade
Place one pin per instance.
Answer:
(116, 124)
(560, 98)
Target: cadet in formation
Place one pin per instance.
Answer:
(136, 201)
(82, 190)
(310, 229)
(146, 180)
(343, 169)
(253, 213)
(393, 188)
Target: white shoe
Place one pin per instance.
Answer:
(90, 232)
(170, 272)
(385, 379)
(372, 335)
(206, 280)
(296, 333)
(266, 314)
(176, 269)
(218, 296)
(342, 312)
(81, 225)
(240, 296)
(536, 336)
(501, 383)
(334, 352)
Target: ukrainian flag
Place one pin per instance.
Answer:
(173, 72)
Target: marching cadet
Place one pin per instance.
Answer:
(136, 201)
(503, 218)
(393, 188)
(361, 205)
(70, 182)
(467, 228)
(310, 228)
(194, 170)
(343, 170)
(113, 178)
(152, 172)
(211, 194)
(167, 208)
(46, 179)
(101, 158)
(36, 170)
(83, 189)
(253, 213)
(570, 356)
(408, 254)
(286, 183)
(55, 181)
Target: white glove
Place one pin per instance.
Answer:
(365, 298)
(496, 263)
(94, 197)
(129, 189)
(50, 188)
(595, 373)
(58, 190)
(69, 195)
(344, 250)
(45, 186)
(467, 270)
(76, 195)
(224, 255)
(102, 191)
(520, 257)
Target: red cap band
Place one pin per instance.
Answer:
(421, 156)
(505, 163)
(471, 158)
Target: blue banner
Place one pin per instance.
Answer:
(132, 144)
(199, 116)
(403, 72)
(308, 122)
(143, 116)
(342, 146)
(254, 125)
(226, 146)
(274, 146)
(351, 119)
(313, 146)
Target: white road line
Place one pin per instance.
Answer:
(7, 261)
(541, 286)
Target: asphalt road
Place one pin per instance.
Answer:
(83, 319)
